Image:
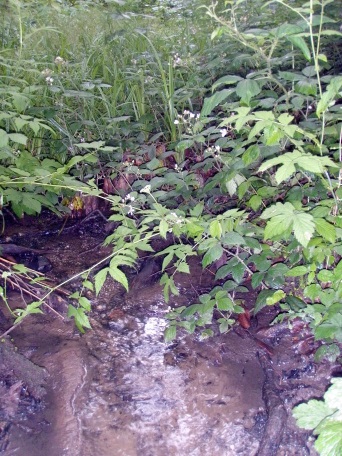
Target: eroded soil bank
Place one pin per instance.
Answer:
(120, 390)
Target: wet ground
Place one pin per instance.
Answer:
(120, 390)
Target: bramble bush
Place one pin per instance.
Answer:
(235, 156)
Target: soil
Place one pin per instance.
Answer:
(120, 389)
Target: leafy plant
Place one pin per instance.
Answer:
(324, 418)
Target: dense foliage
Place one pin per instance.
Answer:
(218, 128)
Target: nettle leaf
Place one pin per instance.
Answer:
(247, 89)
(311, 414)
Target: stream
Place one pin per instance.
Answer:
(119, 389)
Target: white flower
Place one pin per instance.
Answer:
(146, 189)
(224, 132)
(192, 115)
(59, 60)
(49, 80)
(176, 122)
(46, 72)
(130, 209)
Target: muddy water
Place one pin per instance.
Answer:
(120, 390)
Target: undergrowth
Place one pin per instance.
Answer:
(219, 127)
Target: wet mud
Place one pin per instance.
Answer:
(120, 390)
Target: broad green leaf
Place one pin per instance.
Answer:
(297, 271)
(18, 138)
(307, 87)
(331, 329)
(251, 155)
(329, 442)
(226, 80)
(260, 302)
(238, 272)
(275, 297)
(303, 227)
(255, 202)
(333, 397)
(225, 304)
(310, 415)
(213, 101)
(247, 89)
(326, 230)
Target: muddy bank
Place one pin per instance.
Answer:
(119, 389)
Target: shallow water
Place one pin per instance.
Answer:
(120, 390)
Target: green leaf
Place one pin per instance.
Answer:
(333, 397)
(225, 304)
(299, 42)
(326, 230)
(260, 302)
(99, 279)
(85, 303)
(163, 228)
(229, 79)
(215, 229)
(329, 442)
(170, 333)
(251, 155)
(297, 271)
(213, 101)
(255, 202)
(311, 414)
(18, 138)
(119, 276)
(213, 254)
(183, 267)
(330, 329)
(275, 297)
(247, 89)
(328, 96)
(283, 216)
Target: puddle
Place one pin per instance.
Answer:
(120, 390)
